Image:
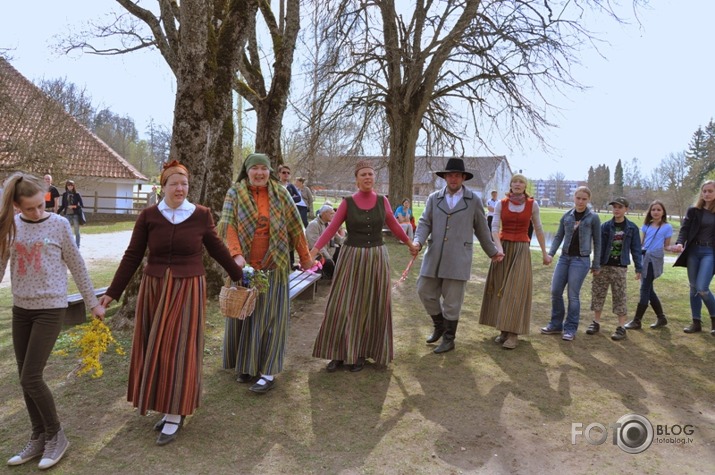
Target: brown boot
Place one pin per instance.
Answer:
(512, 340)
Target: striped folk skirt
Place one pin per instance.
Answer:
(257, 345)
(507, 293)
(358, 315)
(168, 345)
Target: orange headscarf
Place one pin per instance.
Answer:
(173, 168)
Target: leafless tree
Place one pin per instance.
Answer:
(674, 171)
(268, 95)
(201, 42)
(559, 188)
(439, 66)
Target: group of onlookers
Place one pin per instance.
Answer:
(264, 218)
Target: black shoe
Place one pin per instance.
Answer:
(438, 321)
(593, 328)
(695, 327)
(619, 334)
(358, 366)
(263, 388)
(334, 365)
(164, 439)
(633, 325)
(661, 322)
(244, 378)
(160, 424)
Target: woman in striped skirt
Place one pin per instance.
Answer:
(507, 294)
(260, 223)
(168, 344)
(358, 316)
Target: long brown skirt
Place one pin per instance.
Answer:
(168, 345)
(507, 293)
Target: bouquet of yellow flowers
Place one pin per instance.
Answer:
(91, 340)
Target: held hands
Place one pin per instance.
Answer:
(498, 257)
(313, 254)
(547, 259)
(678, 248)
(104, 301)
(415, 248)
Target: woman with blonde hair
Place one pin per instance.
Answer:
(507, 294)
(580, 231)
(40, 247)
(696, 240)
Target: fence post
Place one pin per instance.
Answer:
(96, 198)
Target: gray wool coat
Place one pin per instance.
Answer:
(449, 235)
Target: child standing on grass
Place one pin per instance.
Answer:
(657, 232)
(619, 236)
(40, 248)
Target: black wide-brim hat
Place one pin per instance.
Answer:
(455, 165)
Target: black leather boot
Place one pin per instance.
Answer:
(635, 324)
(438, 331)
(662, 321)
(695, 327)
(450, 330)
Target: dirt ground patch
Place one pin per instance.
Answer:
(478, 409)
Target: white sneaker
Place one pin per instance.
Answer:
(55, 448)
(33, 449)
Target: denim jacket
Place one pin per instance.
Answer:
(631, 243)
(589, 231)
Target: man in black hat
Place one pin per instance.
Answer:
(452, 216)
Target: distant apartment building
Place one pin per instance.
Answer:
(555, 192)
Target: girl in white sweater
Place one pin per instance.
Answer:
(40, 248)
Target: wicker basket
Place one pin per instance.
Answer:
(237, 302)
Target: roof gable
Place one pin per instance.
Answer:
(37, 135)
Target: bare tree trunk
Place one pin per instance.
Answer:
(404, 130)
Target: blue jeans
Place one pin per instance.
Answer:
(571, 271)
(647, 291)
(700, 273)
(74, 222)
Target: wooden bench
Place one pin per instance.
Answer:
(302, 285)
(76, 310)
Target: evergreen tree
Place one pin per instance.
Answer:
(618, 180)
(698, 158)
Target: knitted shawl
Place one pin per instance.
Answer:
(241, 212)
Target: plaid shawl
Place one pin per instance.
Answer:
(241, 212)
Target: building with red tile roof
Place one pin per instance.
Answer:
(38, 136)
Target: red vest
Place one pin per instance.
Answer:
(515, 226)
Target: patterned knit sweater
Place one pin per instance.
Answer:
(39, 259)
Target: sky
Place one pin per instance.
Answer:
(647, 90)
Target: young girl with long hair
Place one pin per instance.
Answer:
(40, 247)
(655, 238)
(695, 242)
